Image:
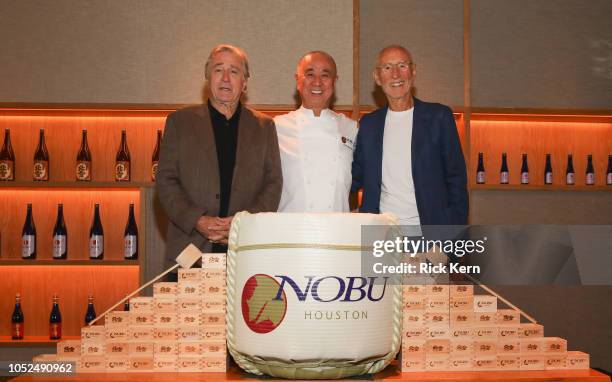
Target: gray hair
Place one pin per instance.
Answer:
(227, 48)
(391, 47)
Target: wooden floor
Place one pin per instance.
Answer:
(391, 374)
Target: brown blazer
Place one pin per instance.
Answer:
(188, 174)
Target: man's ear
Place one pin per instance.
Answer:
(375, 76)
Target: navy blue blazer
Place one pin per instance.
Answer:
(438, 166)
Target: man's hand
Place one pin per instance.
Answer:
(214, 229)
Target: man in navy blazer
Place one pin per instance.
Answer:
(408, 157)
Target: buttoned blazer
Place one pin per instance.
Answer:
(438, 165)
(188, 184)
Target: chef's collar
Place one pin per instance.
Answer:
(325, 113)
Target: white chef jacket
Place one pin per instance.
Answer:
(316, 156)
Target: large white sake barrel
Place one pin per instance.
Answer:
(298, 304)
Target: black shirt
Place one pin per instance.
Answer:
(226, 140)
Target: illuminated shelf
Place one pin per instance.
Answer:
(75, 185)
(32, 341)
(533, 187)
(36, 262)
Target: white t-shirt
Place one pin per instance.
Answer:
(397, 189)
(316, 156)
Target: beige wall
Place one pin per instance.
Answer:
(153, 51)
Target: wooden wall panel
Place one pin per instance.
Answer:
(37, 284)
(78, 214)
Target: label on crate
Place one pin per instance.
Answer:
(457, 291)
(59, 246)
(413, 348)
(413, 364)
(192, 334)
(413, 290)
(437, 319)
(415, 333)
(437, 304)
(164, 364)
(190, 274)
(189, 289)
(96, 246)
(141, 304)
(90, 364)
(93, 333)
(190, 348)
(484, 363)
(486, 347)
(117, 318)
(117, 349)
(460, 333)
(555, 345)
(508, 346)
(83, 170)
(460, 304)
(164, 333)
(213, 276)
(164, 289)
(213, 261)
(485, 303)
(122, 170)
(165, 305)
(213, 318)
(214, 365)
(214, 333)
(6, 170)
(165, 349)
(141, 363)
(437, 291)
(116, 334)
(28, 245)
(531, 330)
(215, 349)
(508, 362)
(486, 318)
(141, 318)
(70, 348)
(218, 289)
(533, 362)
(508, 317)
(438, 363)
(485, 333)
(461, 319)
(460, 363)
(412, 319)
(41, 170)
(438, 332)
(141, 348)
(130, 246)
(117, 364)
(213, 306)
(166, 319)
(437, 346)
(461, 347)
(531, 345)
(189, 319)
(556, 361)
(189, 304)
(188, 364)
(412, 303)
(141, 333)
(92, 348)
(508, 332)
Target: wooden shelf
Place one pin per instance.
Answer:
(533, 187)
(389, 374)
(75, 185)
(40, 262)
(28, 341)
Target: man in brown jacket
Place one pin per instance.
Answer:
(217, 159)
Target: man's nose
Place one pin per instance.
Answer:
(226, 75)
(395, 72)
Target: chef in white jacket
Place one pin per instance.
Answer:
(316, 143)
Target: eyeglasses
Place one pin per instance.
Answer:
(401, 66)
